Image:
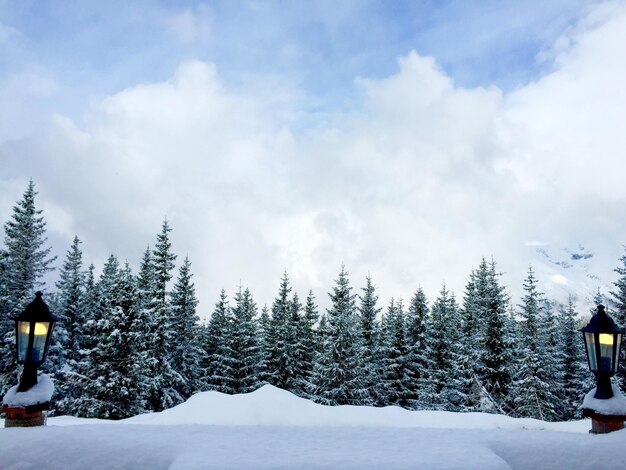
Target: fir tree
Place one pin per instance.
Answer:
(421, 390)
(108, 376)
(370, 331)
(217, 368)
(533, 386)
(187, 352)
(338, 372)
(68, 331)
(281, 367)
(167, 381)
(244, 348)
(495, 356)
(575, 378)
(25, 260)
(395, 373)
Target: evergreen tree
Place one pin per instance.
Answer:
(167, 381)
(575, 375)
(244, 348)
(187, 352)
(68, 331)
(338, 372)
(281, 365)
(533, 387)
(370, 331)
(217, 368)
(25, 260)
(109, 374)
(396, 376)
(495, 356)
(421, 387)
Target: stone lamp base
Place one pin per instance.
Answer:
(602, 423)
(25, 417)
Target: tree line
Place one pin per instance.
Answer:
(129, 343)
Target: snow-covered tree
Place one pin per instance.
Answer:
(187, 352)
(395, 373)
(217, 366)
(281, 336)
(25, 260)
(67, 339)
(575, 377)
(167, 382)
(338, 373)
(421, 387)
(243, 353)
(533, 386)
(370, 330)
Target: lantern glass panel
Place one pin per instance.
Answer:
(591, 351)
(23, 329)
(39, 341)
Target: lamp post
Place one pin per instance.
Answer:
(24, 403)
(603, 339)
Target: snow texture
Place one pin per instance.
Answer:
(40, 393)
(271, 428)
(610, 406)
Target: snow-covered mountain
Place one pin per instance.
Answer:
(576, 270)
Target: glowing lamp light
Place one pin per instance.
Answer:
(603, 340)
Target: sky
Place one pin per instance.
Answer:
(406, 140)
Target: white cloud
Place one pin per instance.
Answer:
(189, 25)
(414, 186)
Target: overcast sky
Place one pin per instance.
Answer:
(404, 139)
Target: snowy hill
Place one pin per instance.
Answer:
(271, 428)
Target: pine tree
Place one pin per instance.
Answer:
(495, 355)
(281, 367)
(25, 260)
(533, 386)
(217, 368)
(167, 381)
(395, 376)
(575, 377)
(370, 331)
(109, 374)
(187, 352)
(421, 387)
(244, 348)
(68, 331)
(338, 372)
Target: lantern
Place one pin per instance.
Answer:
(603, 339)
(33, 332)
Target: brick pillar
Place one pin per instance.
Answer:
(603, 424)
(24, 417)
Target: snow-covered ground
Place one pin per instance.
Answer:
(271, 428)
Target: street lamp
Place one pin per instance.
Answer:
(603, 339)
(33, 329)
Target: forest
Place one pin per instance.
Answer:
(132, 342)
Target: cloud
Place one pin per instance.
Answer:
(414, 184)
(189, 25)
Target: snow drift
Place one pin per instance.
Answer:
(271, 428)
(272, 406)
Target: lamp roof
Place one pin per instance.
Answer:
(601, 322)
(37, 311)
